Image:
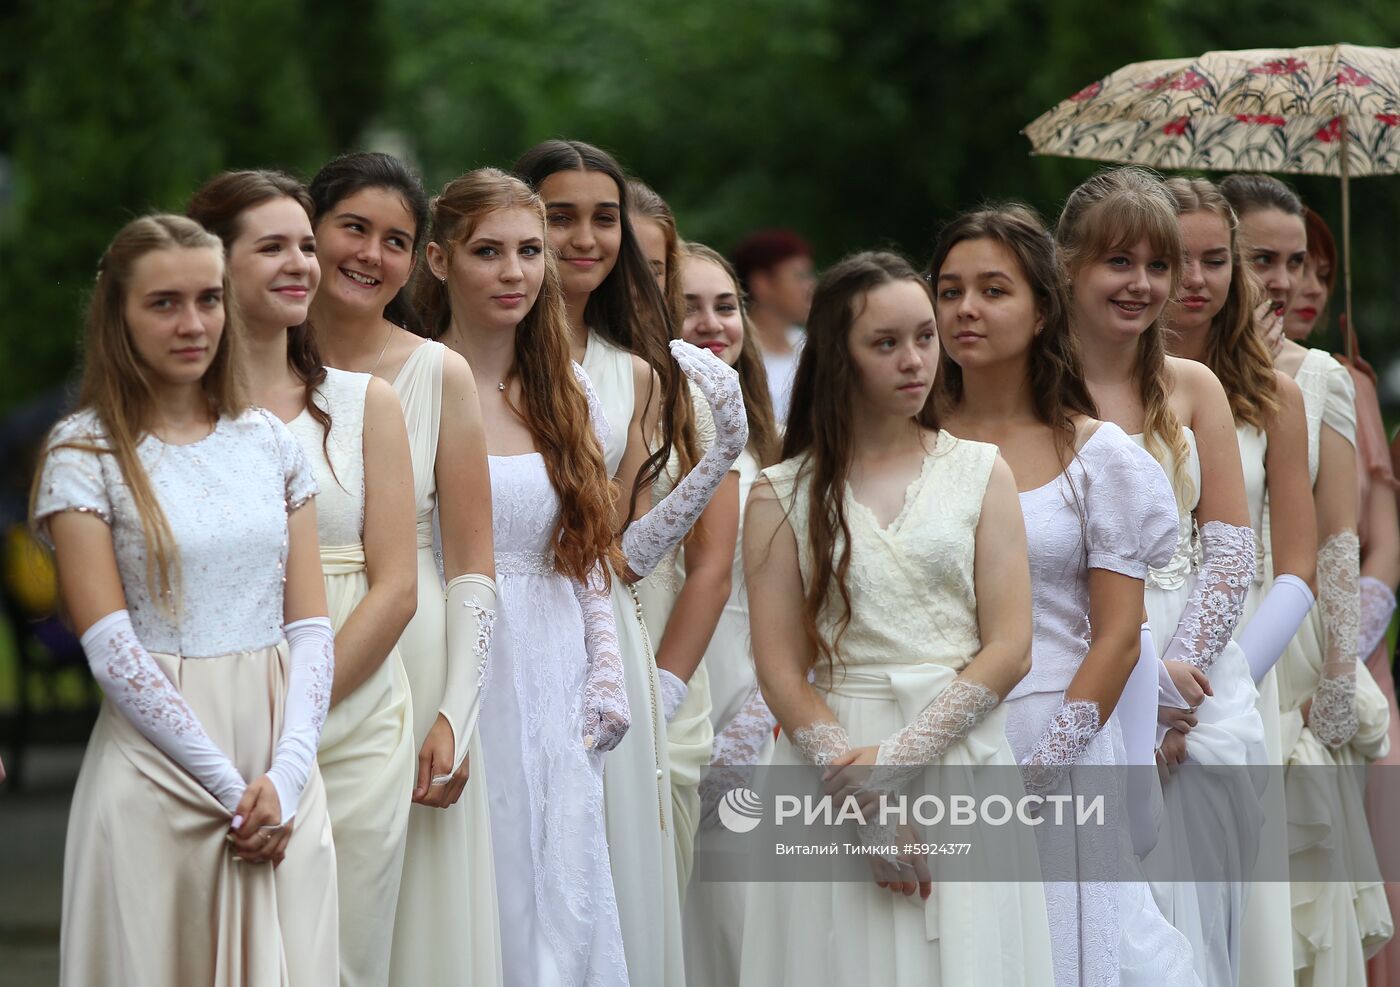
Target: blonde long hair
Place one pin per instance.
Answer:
(117, 385)
(1117, 208)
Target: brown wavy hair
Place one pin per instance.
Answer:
(819, 427)
(555, 409)
(118, 389)
(1113, 210)
(1234, 351)
(219, 206)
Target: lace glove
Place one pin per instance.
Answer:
(132, 680)
(648, 539)
(311, 658)
(737, 750)
(1274, 623)
(1377, 607)
(471, 615)
(673, 693)
(822, 742)
(606, 715)
(1333, 714)
(950, 717)
(1064, 741)
(1217, 600)
(596, 415)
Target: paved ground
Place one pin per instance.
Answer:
(32, 827)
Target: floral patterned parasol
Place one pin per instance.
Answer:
(1326, 110)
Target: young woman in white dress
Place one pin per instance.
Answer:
(742, 724)
(1099, 512)
(1332, 710)
(893, 568)
(615, 312)
(1220, 319)
(370, 216)
(198, 849)
(1122, 246)
(554, 698)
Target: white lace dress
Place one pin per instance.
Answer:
(913, 626)
(366, 753)
(1111, 509)
(1335, 923)
(637, 774)
(1219, 819)
(152, 894)
(446, 929)
(559, 919)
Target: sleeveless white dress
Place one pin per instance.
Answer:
(1336, 924)
(713, 916)
(151, 893)
(637, 773)
(1214, 828)
(690, 735)
(913, 627)
(447, 929)
(559, 920)
(366, 753)
(1113, 509)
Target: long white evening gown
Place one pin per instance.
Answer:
(690, 735)
(1113, 509)
(1267, 917)
(637, 773)
(559, 917)
(366, 755)
(447, 929)
(713, 916)
(913, 626)
(151, 893)
(1335, 923)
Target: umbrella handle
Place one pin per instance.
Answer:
(1349, 336)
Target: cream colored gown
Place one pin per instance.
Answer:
(637, 773)
(913, 627)
(448, 928)
(366, 752)
(1335, 923)
(152, 894)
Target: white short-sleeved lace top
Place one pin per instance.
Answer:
(226, 499)
(1112, 508)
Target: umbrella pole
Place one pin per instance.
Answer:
(1350, 334)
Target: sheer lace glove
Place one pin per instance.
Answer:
(606, 715)
(1217, 600)
(1377, 607)
(311, 658)
(1274, 623)
(737, 750)
(648, 539)
(1066, 738)
(673, 693)
(952, 715)
(137, 686)
(1333, 718)
(471, 615)
(596, 415)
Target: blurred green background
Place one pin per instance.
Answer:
(857, 124)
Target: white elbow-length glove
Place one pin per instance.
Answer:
(1377, 607)
(648, 539)
(137, 686)
(606, 714)
(471, 617)
(1213, 609)
(736, 752)
(311, 661)
(1333, 718)
(1275, 622)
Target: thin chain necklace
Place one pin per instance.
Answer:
(387, 336)
(500, 384)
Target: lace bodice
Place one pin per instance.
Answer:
(1254, 444)
(525, 511)
(911, 583)
(226, 499)
(1184, 558)
(610, 370)
(1114, 509)
(340, 506)
(419, 387)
